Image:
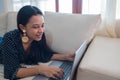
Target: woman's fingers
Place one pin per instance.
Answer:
(57, 73)
(52, 72)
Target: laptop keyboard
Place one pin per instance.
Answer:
(67, 67)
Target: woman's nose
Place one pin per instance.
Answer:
(41, 29)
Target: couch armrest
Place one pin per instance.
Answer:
(101, 60)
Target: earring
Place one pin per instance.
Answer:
(25, 39)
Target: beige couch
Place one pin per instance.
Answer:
(66, 32)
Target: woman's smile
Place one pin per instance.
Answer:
(39, 36)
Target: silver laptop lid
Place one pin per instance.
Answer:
(78, 56)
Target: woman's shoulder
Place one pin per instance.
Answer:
(10, 38)
(12, 34)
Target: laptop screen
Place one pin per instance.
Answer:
(78, 56)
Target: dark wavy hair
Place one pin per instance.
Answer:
(25, 13)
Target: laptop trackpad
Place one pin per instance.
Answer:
(56, 63)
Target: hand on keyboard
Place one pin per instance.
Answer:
(51, 71)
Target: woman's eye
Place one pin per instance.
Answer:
(35, 26)
(38, 26)
(42, 26)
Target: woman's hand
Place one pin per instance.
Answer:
(64, 56)
(70, 56)
(50, 71)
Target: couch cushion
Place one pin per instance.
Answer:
(117, 28)
(3, 25)
(11, 21)
(66, 32)
(101, 60)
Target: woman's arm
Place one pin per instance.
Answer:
(48, 71)
(61, 56)
(27, 72)
(50, 54)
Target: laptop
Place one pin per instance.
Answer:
(69, 68)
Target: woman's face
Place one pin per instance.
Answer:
(35, 27)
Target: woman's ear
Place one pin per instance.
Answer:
(21, 27)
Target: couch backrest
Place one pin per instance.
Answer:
(117, 28)
(7, 22)
(66, 32)
(11, 21)
(3, 26)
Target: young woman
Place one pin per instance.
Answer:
(27, 45)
